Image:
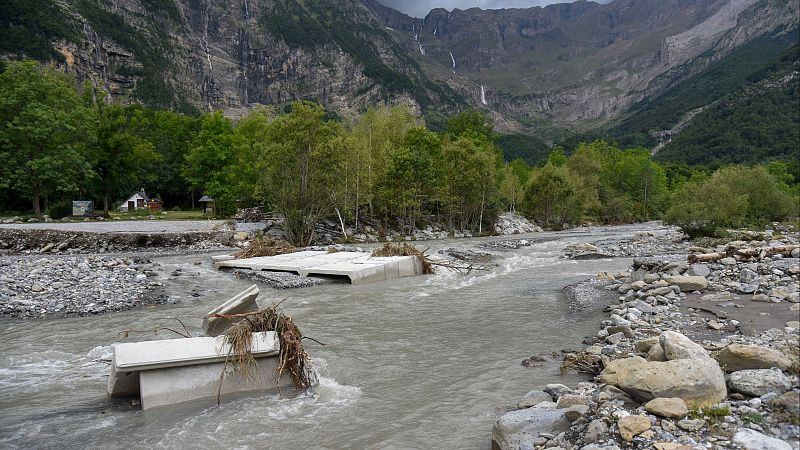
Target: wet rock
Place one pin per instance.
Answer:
(557, 390)
(533, 398)
(737, 357)
(513, 429)
(758, 382)
(667, 407)
(753, 440)
(630, 426)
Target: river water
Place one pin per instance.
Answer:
(419, 362)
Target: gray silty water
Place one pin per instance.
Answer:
(419, 362)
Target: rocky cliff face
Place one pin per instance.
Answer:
(569, 64)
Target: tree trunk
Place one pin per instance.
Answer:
(105, 204)
(37, 210)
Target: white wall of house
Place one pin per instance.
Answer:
(135, 198)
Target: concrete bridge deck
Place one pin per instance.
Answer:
(358, 267)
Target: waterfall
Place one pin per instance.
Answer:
(454, 61)
(483, 96)
(421, 48)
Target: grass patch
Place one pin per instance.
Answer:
(265, 246)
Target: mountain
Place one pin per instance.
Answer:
(572, 66)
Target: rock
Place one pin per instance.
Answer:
(793, 324)
(748, 276)
(761, 298)
(630, 426)
(557, 390)
(720, 297)
(671, 446)
(788, 401)
(567, 400)
(758, 382)
(753, 440)
(644, 345)
(595, 431)
(36, 288)
(624, 329)
(615, 338)
(575, 412)
(678, 346)
(737, 357)
(656, 353)
(691, 424)
(779, 292)
(688, 283)
(698, 270)
(745, 288)
(533, 398)
(697, 381)
(667, 407)
(714, 325)
(515, 428)
(728, 261)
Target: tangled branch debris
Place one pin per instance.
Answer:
(582, 363)
(124, 334)
(405, 249)
(292, 356)
(265, 246)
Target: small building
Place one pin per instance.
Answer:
(207, 203)
(155, 205)
(135, 202)
(82, 208)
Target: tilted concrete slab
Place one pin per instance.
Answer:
(244, 302)
(358, 267)
(132, 359)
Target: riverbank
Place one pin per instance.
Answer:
(676, 365)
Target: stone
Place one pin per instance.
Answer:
(613, 393)
(728, 261)
(667, 407)
(698, 382)
(688, 283)
(718, 297)
(671, 446)
(575, 412)
(595, 431)
(630, 426)
(557, 390)
(714, 325)
(678, 346)
(748, 276)
(793, 324)
(615, 338)
(779, 292)
(745, 288)
(513, 429)
(758, 382)
(533, 398)
(37, 288)
(753, 440)
(644, 345)
(656, 353)
(567, 400)
(737, 357)
(691, 424)
(788, 401)
(698, 270)
(624, 329)
(761, 298)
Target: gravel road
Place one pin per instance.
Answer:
(123, 226)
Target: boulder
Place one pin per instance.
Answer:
(688, 283)
(753, 440)
(644, 345)
(699, 382)
(557, 390)
(567, 400)
(513, 429)
(737, 357)
(667, 407)
(656, 353)
(678, 346)
(595, 431)
(698, 270)
(575, 412)
(533, 398)
(630, 426)
(758, 382)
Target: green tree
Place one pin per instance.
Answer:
(44, 132)
(210, 158)
(303, 166)
(121, 154)
(552, 199)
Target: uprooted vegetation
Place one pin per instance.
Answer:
(292, 356)
(265, 246)
(405, 249)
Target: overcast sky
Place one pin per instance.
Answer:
(420, 8)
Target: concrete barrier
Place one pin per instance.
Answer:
(358, 267)
(244, 302)
(178, 370)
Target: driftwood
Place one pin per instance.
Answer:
(753, 252)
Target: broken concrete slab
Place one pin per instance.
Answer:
(358, 267)
(244, 302)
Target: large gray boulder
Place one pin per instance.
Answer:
(678, 346)
(758, 382)
(753, 440)
(513, 429)
(743, 357)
